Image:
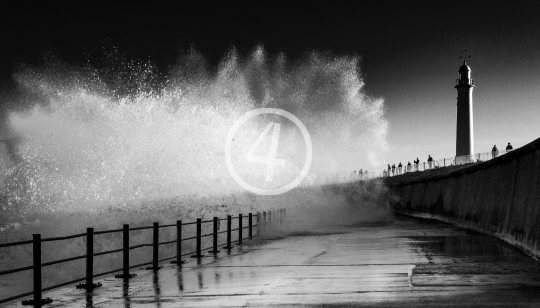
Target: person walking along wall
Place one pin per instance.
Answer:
(494, 151)
(430, 161)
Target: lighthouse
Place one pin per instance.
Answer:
(464, 131)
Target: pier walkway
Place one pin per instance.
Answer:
(408, 262)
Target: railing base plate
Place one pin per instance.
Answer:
(32, 302)
(84, 286)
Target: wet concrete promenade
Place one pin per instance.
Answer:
(405, 263)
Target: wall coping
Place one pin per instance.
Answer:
(515, 154)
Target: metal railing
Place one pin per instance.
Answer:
(261, 225)
(445, 162)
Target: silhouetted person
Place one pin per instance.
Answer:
(393, 169)
(409, 167)
(399, 168)
(389, 169)
(430, 161)
(416, 162)
(494, 151)
(509, 147)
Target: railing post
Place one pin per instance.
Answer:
(198, 240)
(125, 268)
(37, 268)
(178, 243)
(38, 299)
(269, 219)
(155, 248)
(250, 222)
(239, 228)
(89, 257)
(125, 238)
(89, 285)
(215, 236)
(229, 227)
(444, 161)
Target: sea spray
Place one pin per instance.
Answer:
(97, 137)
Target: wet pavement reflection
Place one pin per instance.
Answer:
(125, 293)
(408, 262)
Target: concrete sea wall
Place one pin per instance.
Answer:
(500, 197)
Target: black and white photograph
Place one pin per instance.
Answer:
(270, 154)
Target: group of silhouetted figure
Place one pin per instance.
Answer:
(393, 170)
(361, 173)
(495, 151)
(400, 170)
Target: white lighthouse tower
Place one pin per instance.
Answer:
(464, 131)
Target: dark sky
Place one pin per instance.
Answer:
(409, 53)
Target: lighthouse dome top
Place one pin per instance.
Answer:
(464, 67)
